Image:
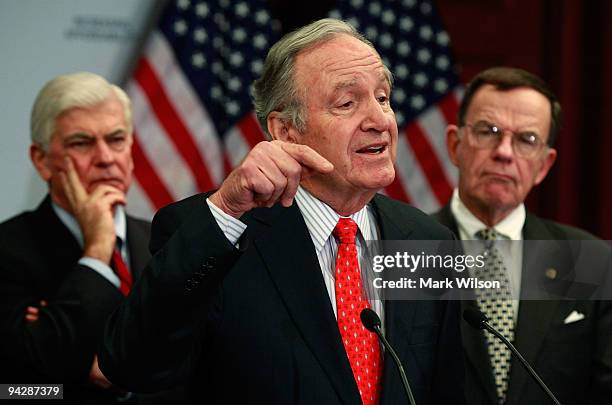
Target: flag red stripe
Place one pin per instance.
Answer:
(227, 165)
(148, 178)
(449, 108)
(173, 125)
(250, 129)
(396, 190)
(428, 159)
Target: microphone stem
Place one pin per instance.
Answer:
(523, 361)
(398, 363)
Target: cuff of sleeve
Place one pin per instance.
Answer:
(101, 268)
(231, 227)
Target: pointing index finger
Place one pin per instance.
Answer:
(308, 157)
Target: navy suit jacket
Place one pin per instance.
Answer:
(256, 325)
(575, 359)
(39, 262)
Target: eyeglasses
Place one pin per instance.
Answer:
(486, 135)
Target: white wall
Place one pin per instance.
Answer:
(40, 39)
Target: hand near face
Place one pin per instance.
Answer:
(93, 212)
(270, 173)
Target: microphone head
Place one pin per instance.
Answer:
(475, 318)
(369, 319)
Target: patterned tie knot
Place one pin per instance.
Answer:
(345, 231)
(487, 234)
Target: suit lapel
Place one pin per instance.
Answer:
(137, 240)
(535, 316)
(287, 250)
(398, 314)
(445, 217)
(58, 243)
(474, 341)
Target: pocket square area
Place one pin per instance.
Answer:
(575, 316)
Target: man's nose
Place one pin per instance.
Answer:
(375, 117)
(504, 149)
(103, 153)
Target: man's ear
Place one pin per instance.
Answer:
(39, 158)
(452, 143)
(280, 129)
(547, 162)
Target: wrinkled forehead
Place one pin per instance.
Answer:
(516, 109)
(339, 61)
(104, 117)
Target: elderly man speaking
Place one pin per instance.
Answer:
(258, 285)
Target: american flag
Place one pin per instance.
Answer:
(192, 110)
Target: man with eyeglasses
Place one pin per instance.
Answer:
(503, 145)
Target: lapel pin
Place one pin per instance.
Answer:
(551, 273)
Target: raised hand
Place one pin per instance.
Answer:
(94, 213)
(270, 173)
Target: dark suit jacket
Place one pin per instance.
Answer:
(574, 360)
(256, 325)
(39, 262)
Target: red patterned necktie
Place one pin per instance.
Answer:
(122, 271)
(361, 346)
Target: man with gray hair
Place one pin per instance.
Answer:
(258, 285)
(67, 264)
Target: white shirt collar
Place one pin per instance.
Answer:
(321, 219)
(510, 227)
(73, 226)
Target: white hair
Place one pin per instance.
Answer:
(73, 90)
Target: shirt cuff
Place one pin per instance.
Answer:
(101, 268)
(231, 227)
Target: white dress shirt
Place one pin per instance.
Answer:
(320, 220)
(509, 228)
(97, 265)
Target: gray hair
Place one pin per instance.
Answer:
(276, 89)
(73, 90)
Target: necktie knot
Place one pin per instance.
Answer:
(345, 231)
(488, 234)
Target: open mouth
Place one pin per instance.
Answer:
(373, 149)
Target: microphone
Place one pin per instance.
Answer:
(371, 321)
(476, 319)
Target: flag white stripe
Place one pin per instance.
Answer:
(160, 151)
(412, 177)
(139, 203)
(433, 124)
(186, 103)
(236, 146)
(458, 93)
